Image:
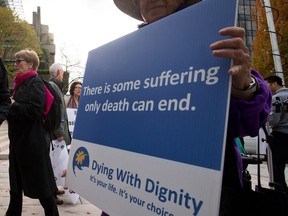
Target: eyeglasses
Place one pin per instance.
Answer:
(18, 61)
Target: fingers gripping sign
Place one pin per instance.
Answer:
(235, 48)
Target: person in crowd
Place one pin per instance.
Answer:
(62, 132)
(250, 97)
(30, 169)
(72, 101)
(4, 93)
(278, 121)
(56, 77)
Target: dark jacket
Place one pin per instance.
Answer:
(29, 157)
(278, 119)
(63, 129)
(4, 93)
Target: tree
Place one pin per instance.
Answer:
(71, 65)
(262, 58)
(16, 34)
(2, 3)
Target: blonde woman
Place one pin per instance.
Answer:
(30, 170)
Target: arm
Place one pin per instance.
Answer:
(247, 116)
(4, 105)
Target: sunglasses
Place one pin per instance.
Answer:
(18, 61)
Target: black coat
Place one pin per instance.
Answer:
(4, 93)
(30, 167)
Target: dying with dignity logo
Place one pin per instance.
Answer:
(80, 159)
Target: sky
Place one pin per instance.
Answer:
(80, 25)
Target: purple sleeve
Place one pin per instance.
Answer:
(246, 117)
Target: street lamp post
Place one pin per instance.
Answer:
(273, 40)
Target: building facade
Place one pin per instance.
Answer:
(247, 20)
(46, 38)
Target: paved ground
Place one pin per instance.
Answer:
(33, 207)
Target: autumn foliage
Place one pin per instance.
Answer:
(262, 58)
(15, 34)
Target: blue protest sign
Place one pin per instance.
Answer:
(151, 123)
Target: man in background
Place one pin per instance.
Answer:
(278, 121)
(62, 132)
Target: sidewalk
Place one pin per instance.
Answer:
(33, 207)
